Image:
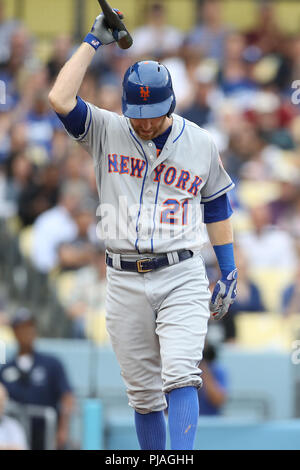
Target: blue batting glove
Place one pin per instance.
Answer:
(223, 296)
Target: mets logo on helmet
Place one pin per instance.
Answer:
(145, 92)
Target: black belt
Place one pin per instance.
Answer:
(145, 265)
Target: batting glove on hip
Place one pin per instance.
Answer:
(223, 296)
(102, 32)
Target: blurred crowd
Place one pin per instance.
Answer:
(240, 86)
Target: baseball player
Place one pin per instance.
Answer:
(153, 170)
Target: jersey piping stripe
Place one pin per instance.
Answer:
(142, 191)
(207, 197)
(156, 198)
(89, 125)
(182, 130)
(157, 191)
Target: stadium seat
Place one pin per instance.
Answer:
(64, 284)
(271, 282)
(58, 17)
(262, 330)
(265, 330)
(241, 221)
(6, 337)
(252, 194)
(96, 329)
(26, 241)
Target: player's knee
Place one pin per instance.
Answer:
(147, 401)
(191, 380)
(180, 373)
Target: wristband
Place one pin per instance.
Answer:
(92, 41)
(225, 257)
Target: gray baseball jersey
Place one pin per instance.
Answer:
(151, 203)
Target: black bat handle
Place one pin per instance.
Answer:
(114, 22)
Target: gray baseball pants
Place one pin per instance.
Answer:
(157, 323)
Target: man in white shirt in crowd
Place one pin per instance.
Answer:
(156, 38)
(56, 226)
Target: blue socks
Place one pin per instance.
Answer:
(183, 415)
(151, 430)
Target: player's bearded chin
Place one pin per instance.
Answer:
(148, 129)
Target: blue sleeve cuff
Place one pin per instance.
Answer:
(217, 210)
(74, 122)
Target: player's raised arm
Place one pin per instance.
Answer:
(63, 95)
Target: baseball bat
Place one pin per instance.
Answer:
(114, 22)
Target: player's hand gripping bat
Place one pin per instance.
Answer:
(114, 22)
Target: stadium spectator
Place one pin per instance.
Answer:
(19, 101)
(41, 124)
(244, 144)
(213, 393)
(266, 34)
(72, 168)
(20, 62)
(62, 50)
(79, 251)
(289, 64)
(12, 435)
(210, 34)
(262, 164)
(4, 317)
(18, 139)
(283, 207)
(108, 97)
(266, 108)
(156, 39)
(292, 225)
(182, 83)
(54, 227)
(7, 29)
(89, 87)
(234, 78)
(249, 297)
(87, 298)
(227, 119)
(267, 246)
(19, 175)
(40, 194)
(34, 378)
(206, 94)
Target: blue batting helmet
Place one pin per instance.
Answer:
(147, 91)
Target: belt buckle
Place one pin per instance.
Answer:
(140, 268)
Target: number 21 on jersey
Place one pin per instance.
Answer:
(175, 212)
